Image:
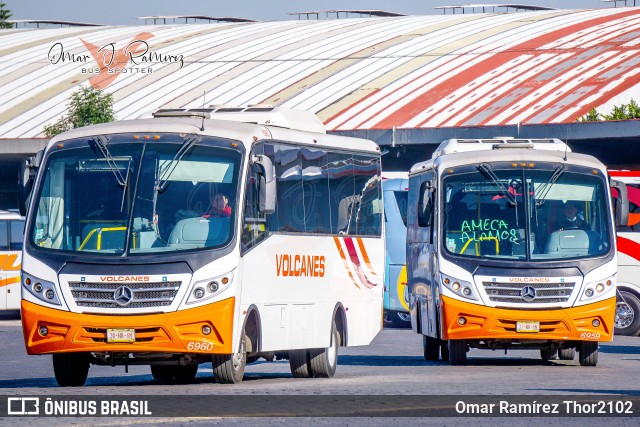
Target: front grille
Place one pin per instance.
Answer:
(545, 293)
(101, 295)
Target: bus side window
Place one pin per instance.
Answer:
(254, 227)
(4, 236)
(425, 207)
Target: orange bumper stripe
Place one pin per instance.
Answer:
(498, 323)
(164, 332)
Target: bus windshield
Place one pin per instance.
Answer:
(128, 198)
(526, 214)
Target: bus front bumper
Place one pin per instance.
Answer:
(174, 332)
(481, 322)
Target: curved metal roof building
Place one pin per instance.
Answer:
(370, 73)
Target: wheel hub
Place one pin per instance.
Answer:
(624, 315)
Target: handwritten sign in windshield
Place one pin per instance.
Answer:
(483, 229)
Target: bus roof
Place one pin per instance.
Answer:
(237, 126)
(452, 155)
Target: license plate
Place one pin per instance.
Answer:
(529, 326)
(121, 335)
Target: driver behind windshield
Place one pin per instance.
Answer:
(571, 218)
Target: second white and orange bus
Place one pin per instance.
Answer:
(511, 244)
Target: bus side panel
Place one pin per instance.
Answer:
(308, 276)
(629, 260)
(395, 260)
(10, 264)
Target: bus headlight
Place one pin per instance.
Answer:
(202, 290)
(459, 287)
(41, 289)
(597, 289)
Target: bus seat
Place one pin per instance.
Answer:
(572, 242)
(200, 232)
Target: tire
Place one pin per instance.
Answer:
(567, 353)
(71, 369)
(547, 355)
(174, 373)
(162, 372)
(400, 319)
(457, 352)
(588, 354)
(444, 350)
(430, 348)
(323, 362)
(229, 368)
(627, 320)
(299, 363)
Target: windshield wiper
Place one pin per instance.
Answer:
(163, 176)
(544, 189)
(486, 170)
(123, 181)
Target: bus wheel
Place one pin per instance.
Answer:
(162, 372)
(546, 354)
(71, 369)
(430, 348)
(299, 363)
(444, 350)
(229, 368)
(400, 319)
(588, 354)
(627, 320)
(566, 353)
(178, 373)
(323, 362)
(457, 352)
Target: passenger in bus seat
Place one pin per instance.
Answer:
(219, 207)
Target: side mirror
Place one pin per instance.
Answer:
(26, 179)
(266, 185)
(620, 204)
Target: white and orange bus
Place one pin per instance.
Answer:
(628, 309)
(11, 227)
(511, 245)
(128, 258)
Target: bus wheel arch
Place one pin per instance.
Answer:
(252, 328)
(339, 318)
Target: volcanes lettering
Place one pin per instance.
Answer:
(124, 278)
(300, 265)
(529, 279)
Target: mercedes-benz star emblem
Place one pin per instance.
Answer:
(123, 295)
(528, 293)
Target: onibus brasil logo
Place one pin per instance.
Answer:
(134, 58)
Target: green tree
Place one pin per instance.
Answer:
(633, 109)
(5, 14)
(591, 116)
(87, 106)
(619, 112)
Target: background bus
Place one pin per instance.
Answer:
(628, 308)
(11, 229)
(511, 244)
(180, 240)
(396, 306)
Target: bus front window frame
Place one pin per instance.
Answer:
(528, 222)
